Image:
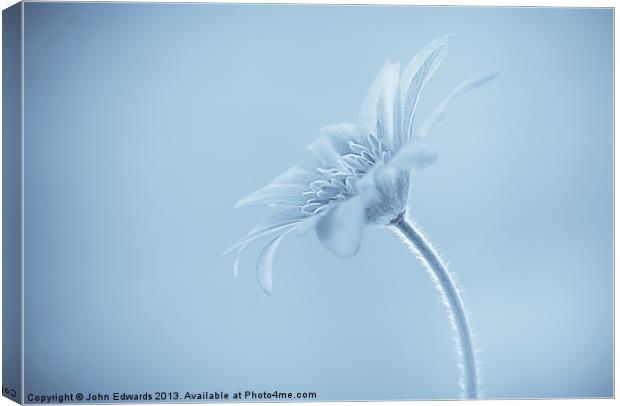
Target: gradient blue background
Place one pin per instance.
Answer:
(145, 123)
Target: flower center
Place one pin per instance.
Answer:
(338, 184)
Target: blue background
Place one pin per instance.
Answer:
(145, 123)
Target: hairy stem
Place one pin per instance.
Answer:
(451, 298)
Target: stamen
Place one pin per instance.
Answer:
(357, 148)
(311, 208)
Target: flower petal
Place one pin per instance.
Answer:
(284, 190)
(274, 196)
(236, 264)
(310, 222)
(333, 143)
(464, 87)
(264, 264)
(416, 155)
(389, 111)
(368, 112)
(416, 74)
(283, 220)
(340, 229)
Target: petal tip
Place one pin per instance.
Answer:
(264, 265)
(445, 38)
(494, 74)
(241, 202)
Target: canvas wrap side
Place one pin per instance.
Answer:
(11, 202)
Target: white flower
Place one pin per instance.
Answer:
(359, 173)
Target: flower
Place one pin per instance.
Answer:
(359, 173)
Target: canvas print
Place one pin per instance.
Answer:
(271, 202)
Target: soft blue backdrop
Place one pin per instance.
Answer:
(145, 123)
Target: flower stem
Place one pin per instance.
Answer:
(446, 286)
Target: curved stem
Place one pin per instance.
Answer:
(451, 298)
